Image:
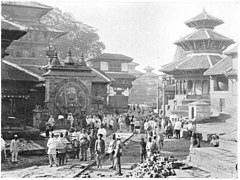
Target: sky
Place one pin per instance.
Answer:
(145, 30)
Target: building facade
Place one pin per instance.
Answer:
(204, 49)
(115, 67)
(224, 83)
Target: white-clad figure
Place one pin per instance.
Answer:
(14, 147)
(51, 122)
(70, 118)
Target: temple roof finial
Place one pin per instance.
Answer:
(82, 61)
(69, 60)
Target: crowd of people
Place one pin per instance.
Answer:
(76, 142)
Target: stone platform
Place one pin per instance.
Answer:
(27, 147)
(28, 133)
(219, 162)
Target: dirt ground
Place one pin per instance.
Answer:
(131, 157)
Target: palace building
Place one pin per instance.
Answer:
(204, 49)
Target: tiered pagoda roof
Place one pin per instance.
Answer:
(204, 20)
(195, 62)
(204, 47)
(204, 34)
(28, 14)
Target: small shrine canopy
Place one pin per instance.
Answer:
(112, 57)
(194, 62)
(204, 34)
(204, 20)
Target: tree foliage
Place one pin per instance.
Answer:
(81, 38)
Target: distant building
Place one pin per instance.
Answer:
(132, 69)
(144, 90)
(204, 47)
(223, 84)
(115, 67)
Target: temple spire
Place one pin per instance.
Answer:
(69, 60)
(82, 61)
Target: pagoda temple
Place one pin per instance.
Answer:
(204, 49)
(144, 90)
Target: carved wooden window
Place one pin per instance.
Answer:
(114, 66)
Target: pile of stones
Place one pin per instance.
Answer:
(157, 167)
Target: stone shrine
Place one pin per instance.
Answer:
(68, 87)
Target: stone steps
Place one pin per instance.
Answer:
(219, 162)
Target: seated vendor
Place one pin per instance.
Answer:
(214, 142)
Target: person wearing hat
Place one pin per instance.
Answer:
(118, 154)
(14, 147)
(100, 149)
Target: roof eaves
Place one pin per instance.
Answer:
(105, 77)
(40, 78)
